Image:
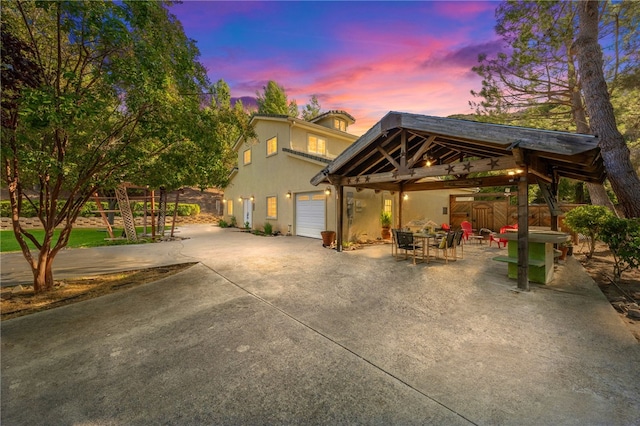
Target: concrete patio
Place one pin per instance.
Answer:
(279, 330)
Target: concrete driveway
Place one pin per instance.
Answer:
(282, 331)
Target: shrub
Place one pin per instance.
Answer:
(268, 228)
(223, 223)
(623, 238)
(90, 209)
(588, 220)
(233, 223)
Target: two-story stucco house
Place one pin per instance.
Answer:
(271, 183)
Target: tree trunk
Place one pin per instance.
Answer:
(43, 271)
(597, 193)
(615, 153)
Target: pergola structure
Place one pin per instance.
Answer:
(409, 152)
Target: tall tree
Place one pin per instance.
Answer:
(109, 87)
(312, 109)
(615, 153)
(205, 155)
(536, 83)
(273, 100)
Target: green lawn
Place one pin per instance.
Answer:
(80, 237)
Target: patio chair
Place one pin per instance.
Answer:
(493, 236)
(446, 245)
(467, 228)
(394, 242)
(405, 242)
(457, 242)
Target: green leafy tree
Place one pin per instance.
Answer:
(312, 109)
(623, 238)
(206, 156)
(589, 221)
(273, 100)
(536, 83)
(109, 87)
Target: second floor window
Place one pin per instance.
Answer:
(246, 156)
(316, 145)
(272, 146)
(340, 124)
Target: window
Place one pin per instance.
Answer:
(340, 124)
(387, 206)
(246, 156)
(272, 207)
(230, 207)
(272, 146)
(316, 145)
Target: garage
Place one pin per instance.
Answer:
(310, 214)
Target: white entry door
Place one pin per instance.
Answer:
(310, 214)
(247, 212)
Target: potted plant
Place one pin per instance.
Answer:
(564, 247)
(385, 221)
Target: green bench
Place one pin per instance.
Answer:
(508, 259)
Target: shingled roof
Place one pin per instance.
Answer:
(393, 155)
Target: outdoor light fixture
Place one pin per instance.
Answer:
(240, 199)
(507, 192)
(224, 200)
(251, 198)
(327, 190)
(515, 172)
(405, 197)
(288, 194)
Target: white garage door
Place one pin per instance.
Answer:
(310, 219)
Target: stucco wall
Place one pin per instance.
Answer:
(280, 173)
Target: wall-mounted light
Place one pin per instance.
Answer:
(288, 194)
(405, 197)
(224, 201)
(251, 198)
(240, 199)
(327, 190)
(507, 192)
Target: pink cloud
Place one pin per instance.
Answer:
(463, 9)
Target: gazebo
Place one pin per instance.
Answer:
(409, 152)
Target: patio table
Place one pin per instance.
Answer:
(424, 239)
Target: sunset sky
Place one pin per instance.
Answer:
(366, 58)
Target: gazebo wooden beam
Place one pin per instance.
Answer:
(484, 165)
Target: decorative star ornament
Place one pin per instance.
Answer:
(467, 167)
(450, 169)
(493, 163)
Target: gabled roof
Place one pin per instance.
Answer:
(341, 113)
(393, 153)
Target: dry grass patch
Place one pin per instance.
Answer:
(16, 302)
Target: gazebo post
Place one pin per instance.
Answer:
(523, 231)
(400, 203)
